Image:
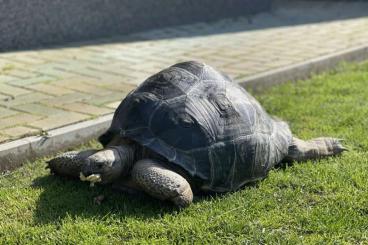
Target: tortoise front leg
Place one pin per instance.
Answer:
(69, 164)
(162, 183)
(301, 150)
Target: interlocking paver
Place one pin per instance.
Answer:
(5, 112)
(87, 109)
(106, 99)
(6, 78)
(66, 98)
(51, 70)
(19, 73)
(20, 131)
(4, 97)
(56, 121)
(18, 119)
(24, 99)
(118, 86)
(80, 86)
(113, 105)
(4, 138)
(12, 90)
(39, 109)
(50, 88)
(32, 80)
(27, 59)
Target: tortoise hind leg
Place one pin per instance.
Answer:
(317, 148)
(162, 183)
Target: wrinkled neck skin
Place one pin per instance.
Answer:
(110, 163)
(127, 157)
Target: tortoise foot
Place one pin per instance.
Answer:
(162, 183)
(301, 150)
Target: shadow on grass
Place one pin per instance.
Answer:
(62, 198)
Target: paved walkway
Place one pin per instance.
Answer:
(46, 89)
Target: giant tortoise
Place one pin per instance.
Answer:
(189, 129)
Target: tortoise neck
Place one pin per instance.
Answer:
(127, 156)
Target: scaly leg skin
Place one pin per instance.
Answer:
(317, 148)
(69, 164)
(162, 183)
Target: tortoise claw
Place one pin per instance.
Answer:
(344, 149)
(338, 148)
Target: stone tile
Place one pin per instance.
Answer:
(19, 73)
(51, 70)
(86, 109)
(5, 112)
(6, 78)
(25, 99)
(33, 80)
(66, 99)
(76, 79)
(18, 119)
(39, 109)
(27, 59)
(6, 63)
(56, 121)
(102, 75)
(115, 67)
(4, 97)
(4, 138)
(113, 105)
(50, 89)
(106, 99)
(12, 90)
(114, 85)
(77, 85)
(20, 131)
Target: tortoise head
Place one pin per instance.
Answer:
(105, 166)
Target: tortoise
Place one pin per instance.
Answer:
(189, 129)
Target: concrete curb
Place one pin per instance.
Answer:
(15, 153)
(305, 69)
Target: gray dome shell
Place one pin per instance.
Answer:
(200, 120)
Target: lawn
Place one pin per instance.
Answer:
(314, 202)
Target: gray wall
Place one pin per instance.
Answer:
(34, 23)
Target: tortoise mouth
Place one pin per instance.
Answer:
(99, 173)
(102, 167)
(92, 178)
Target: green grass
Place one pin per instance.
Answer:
(316, 202)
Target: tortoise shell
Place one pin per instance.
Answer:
(200, 120)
